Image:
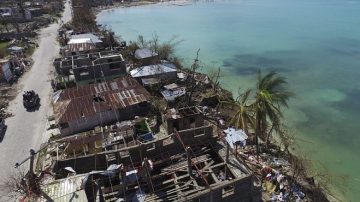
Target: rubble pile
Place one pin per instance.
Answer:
(6, 94)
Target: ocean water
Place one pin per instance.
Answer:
(314, 43)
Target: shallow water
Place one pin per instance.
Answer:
(314, 43)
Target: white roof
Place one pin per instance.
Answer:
(171, 86)
(84, 38)
(6, 14)
(144, 53)
(151, 70)
(171, 95)
(234, 136)
(15, 48)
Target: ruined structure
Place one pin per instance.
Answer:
(84, 107)
(81, 43)
(188, 164)
(92, 67)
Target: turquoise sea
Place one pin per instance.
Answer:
(314, 43)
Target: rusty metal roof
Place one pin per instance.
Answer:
(74, 47)
(78, 102)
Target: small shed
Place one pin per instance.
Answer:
(159, 71)
(145, 55)
(84, 38)
(171, 94)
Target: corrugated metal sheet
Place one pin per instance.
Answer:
(80, 47)
(234, 136)
(77, 103)
(65, 190)
(151, 70)
(87, 38)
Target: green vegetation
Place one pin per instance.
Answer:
(263, 114)
(270, 97)
(244, 116)
(29, 51)
(164, 49)
(3, 49)
(141, 127)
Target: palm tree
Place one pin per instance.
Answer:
(244, 116)
(270, 97)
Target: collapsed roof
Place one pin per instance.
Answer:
(84, 101)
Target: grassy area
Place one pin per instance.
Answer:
(141, 127)
(29, 51)
(3, 49)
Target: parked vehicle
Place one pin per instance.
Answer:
(31, 100)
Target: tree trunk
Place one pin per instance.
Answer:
(257, 132)
(268, 135)
(244, 125)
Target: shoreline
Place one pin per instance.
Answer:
(293, 153)
(98, 10)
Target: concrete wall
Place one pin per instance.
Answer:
(82, 165)
(244, 191)
(201, 134)
(191, 121)
(85, 70)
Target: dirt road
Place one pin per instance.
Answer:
(25, 129)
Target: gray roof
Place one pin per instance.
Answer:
(151, 70)
(144, 53)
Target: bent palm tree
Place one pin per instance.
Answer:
(244, 116)
(270, 97)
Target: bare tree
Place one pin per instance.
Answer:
(13, 184)
(191, 84)
(214, 76)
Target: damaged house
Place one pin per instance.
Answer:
(145, 56)
(81, 43)
(153, 74)
(186, 165)
(184, 118)
(92, 67)
(85, 107)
